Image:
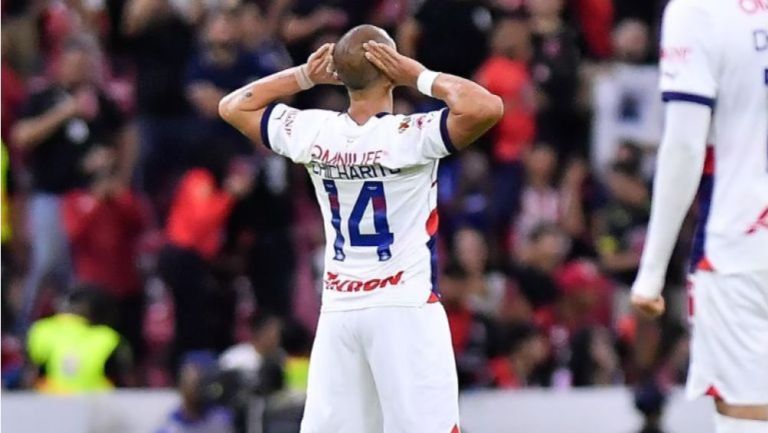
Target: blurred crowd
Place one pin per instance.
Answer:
(122, 187)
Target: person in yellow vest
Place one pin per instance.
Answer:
(5, 222)
(73, 354)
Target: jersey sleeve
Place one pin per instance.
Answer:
(689, 47)
(289, 132)
(424, 138)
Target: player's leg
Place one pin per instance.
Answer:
(341, 396)
(729, 350)
(409, 350)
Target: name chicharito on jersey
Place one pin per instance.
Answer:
(348, 165)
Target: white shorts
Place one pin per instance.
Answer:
(382, 370)
(729, 345)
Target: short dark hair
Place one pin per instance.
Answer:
(352, 68)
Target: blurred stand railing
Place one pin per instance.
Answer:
(603, 410)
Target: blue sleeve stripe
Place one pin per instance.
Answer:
(444, 132)
(688, 97)
(265, 125)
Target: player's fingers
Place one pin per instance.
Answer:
(324, 64)
(389, 52)
(373, 58)
(381, 51)
(376, 49)
(318, 54)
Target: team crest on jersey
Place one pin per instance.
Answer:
(405, 124)
(423, 120)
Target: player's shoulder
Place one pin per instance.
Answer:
(299, 122)
(279, 110)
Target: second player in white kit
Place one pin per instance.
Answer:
(382, 359)
(714, 70)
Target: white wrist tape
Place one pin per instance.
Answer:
(302, 77)
(425, 81)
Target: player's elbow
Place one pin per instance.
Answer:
(225, 108)
(495, 109)
(487, 110)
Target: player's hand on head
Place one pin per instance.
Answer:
(648, 307)
(320, 66)
(402, 70)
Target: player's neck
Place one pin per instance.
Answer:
(364, 104)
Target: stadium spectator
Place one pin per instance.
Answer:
(585, 296)
(195, 232)
(505, 73)
(72, 352)
(546, 250)
(259, 42)
(257, 365)
(471, 332)
(469, 201)
(262, 239)
(196, 414)
(622, 222)
(624, 97)
(483, 285)
(248, 357)
(65, 130)
(219, 66)
(160, 36)
(539, 199)
(447, 35)
(523, 352)
(555, 71)
(104, 224)
(307, 21)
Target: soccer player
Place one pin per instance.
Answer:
(714, 67)
(382, 358)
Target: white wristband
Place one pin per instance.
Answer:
(425, 81)
(302, 77)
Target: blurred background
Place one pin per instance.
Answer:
(146, 244)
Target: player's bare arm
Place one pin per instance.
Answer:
(244, 107)
(473, 109)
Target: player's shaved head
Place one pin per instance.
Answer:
(353, 69)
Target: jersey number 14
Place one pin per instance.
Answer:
(382, 239)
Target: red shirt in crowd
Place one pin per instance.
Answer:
(104, 235)
(198, 214)
(510, 80)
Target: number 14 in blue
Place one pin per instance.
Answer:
(382, 239)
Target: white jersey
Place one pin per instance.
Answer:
(715, 52)
(376, 186)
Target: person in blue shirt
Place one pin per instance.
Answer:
(220, 65)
